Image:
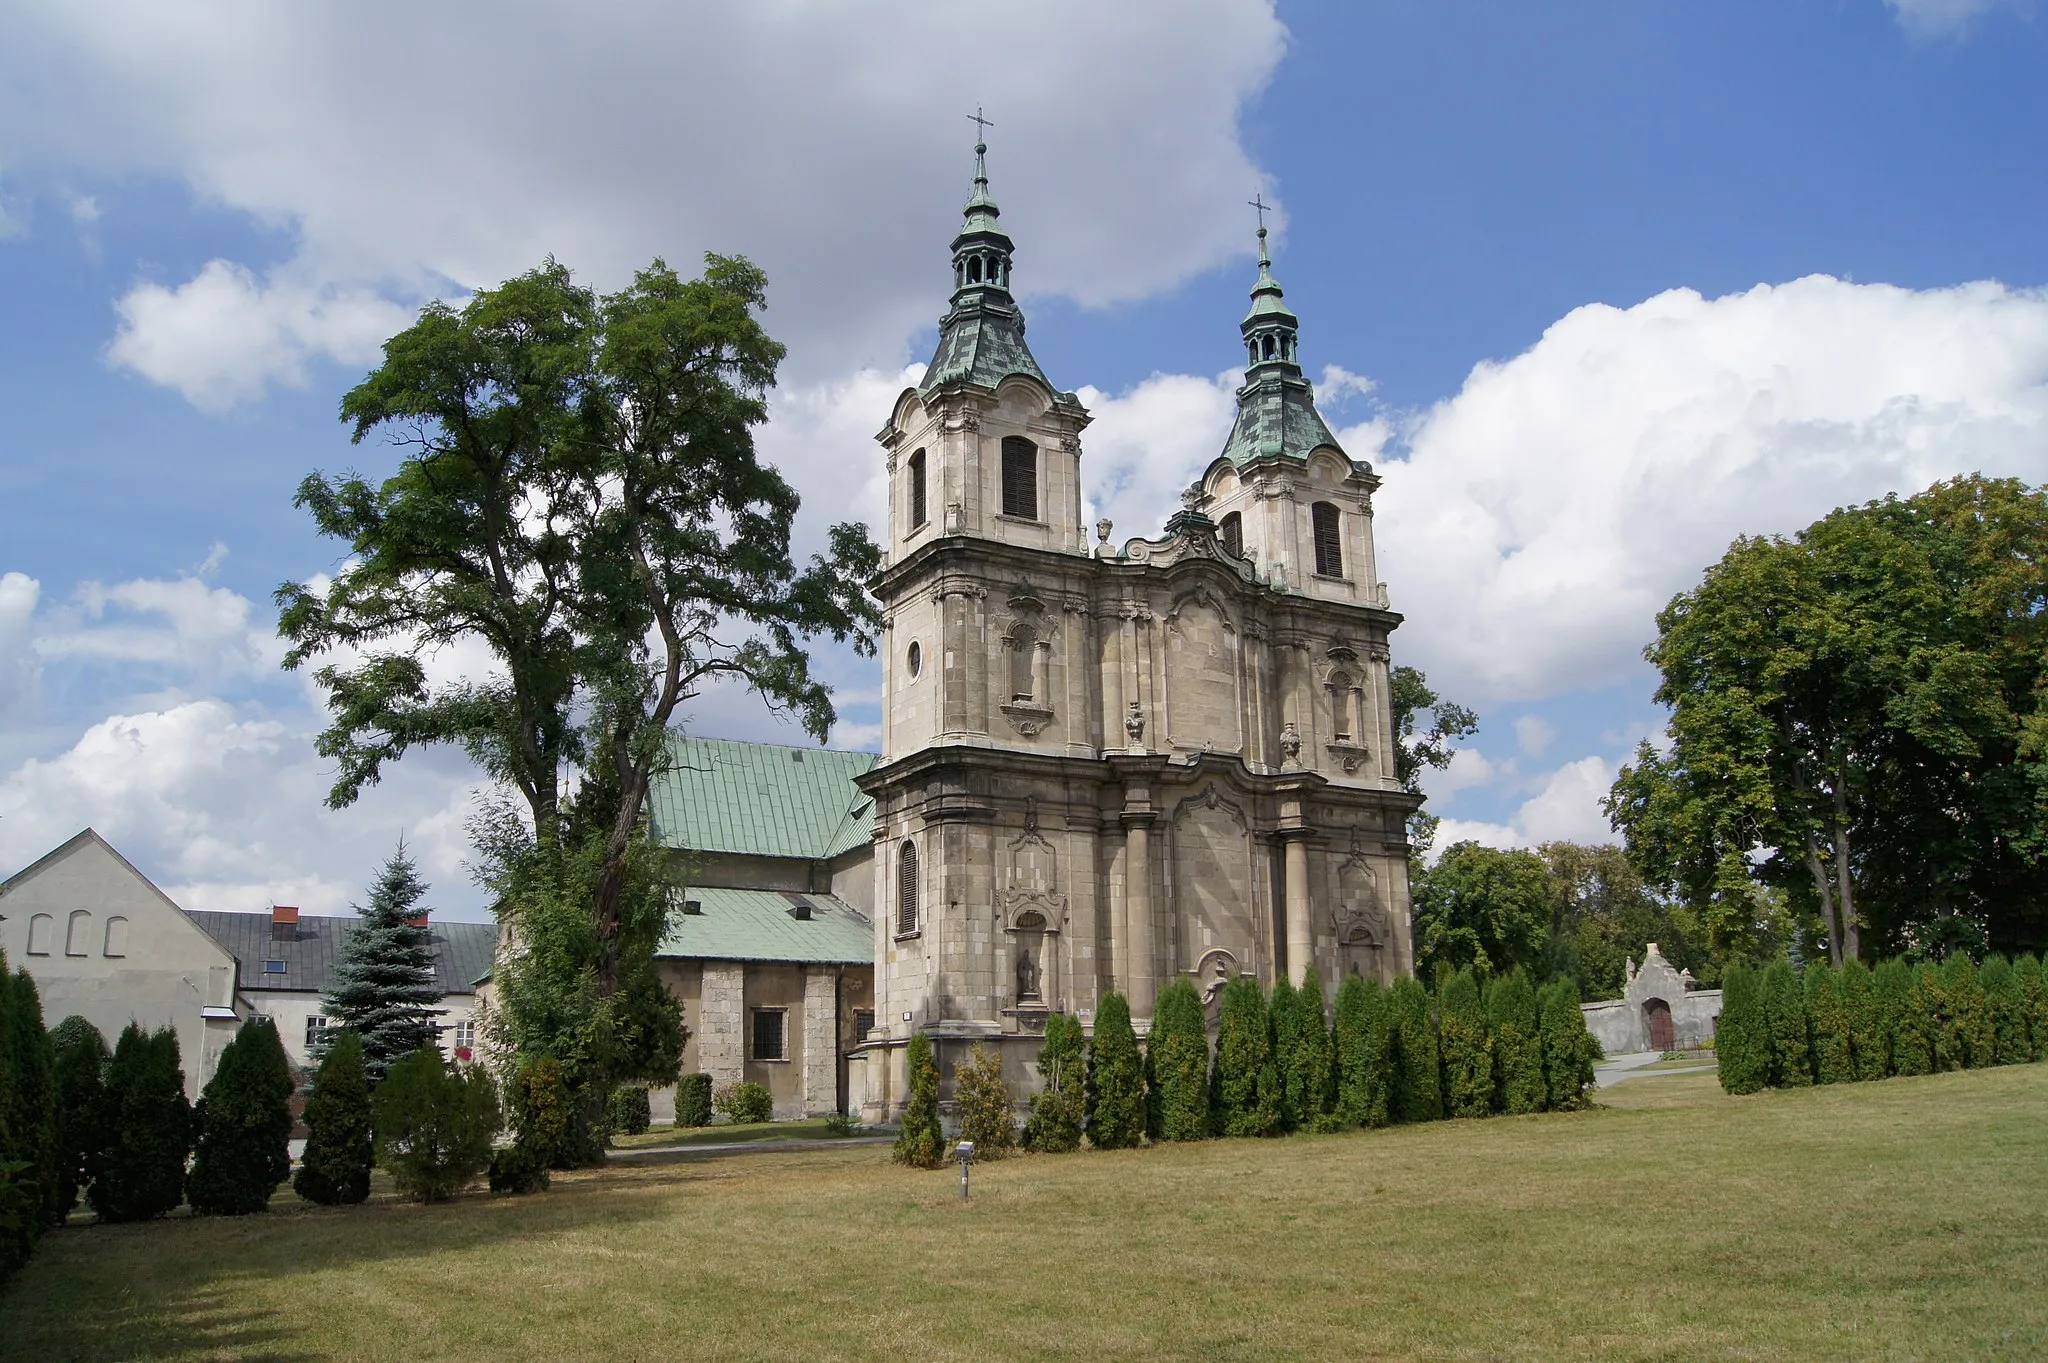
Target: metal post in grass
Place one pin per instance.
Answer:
(965, 1153)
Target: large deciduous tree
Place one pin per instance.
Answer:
(1480, 906)
(1410, 698)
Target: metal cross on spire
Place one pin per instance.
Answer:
(981, 125)
(1258, 201)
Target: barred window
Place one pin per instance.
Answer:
(1328, 521)
(863, 1023)
(1020, 478)
(917, 497)
(1231, 532)
(906, 887)
(316, 1033)
(769, 1031)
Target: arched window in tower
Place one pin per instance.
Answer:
(917, 498)
(906, 887)
(1020, 478)
(1266, 348)
(1327, 523)
(1231, 532)
(1023, 653)
(974, 269)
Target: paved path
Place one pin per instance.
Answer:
(1616, 1069)
(740, 1147)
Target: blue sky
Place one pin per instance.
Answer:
(1491, 216)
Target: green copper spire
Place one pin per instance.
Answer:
(1276, 407)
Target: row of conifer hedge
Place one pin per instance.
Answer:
(1781, 1028)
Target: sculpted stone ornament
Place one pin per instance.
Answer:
(1290, 745)
(1102, 529)
(1027, 975)
(956, 518)
(1134, 726)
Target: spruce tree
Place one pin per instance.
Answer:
(335, 1170)
(1179, 1050)
(1363, 1054)
(1418, 1081)
(384, 988)
(1116, 1078)
(2006, 1002)
(33, 1113)
(2026, 971)
(1053, 1123)
(1834, 1059)
(1869, 1046)
(1569, 1050)
(1791, 1063)
(149, 1129)
(81, 1095)
(244, 1124)
(921, 1143)
(1244, 1047)
(987, 1116)
(1514, 1017)
(1467, 1049)
(1742, 1046)
(1970, 1037)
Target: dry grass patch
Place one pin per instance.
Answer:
(1897, 1219)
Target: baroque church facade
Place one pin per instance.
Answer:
(1109, 766)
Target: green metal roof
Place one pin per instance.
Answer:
(1276, 417)
(759, 925)
(762, 799)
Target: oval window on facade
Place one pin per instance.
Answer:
(914, 659)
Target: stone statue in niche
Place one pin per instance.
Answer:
(1290, 744)
(1027, 975)
(1134, 725)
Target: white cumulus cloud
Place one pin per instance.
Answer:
(1942, 18)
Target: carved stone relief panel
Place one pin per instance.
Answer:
(1203, 707)
(1211, 869)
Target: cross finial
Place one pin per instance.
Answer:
(981, 125)
(1258, 201)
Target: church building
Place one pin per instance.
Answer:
(1107, 767)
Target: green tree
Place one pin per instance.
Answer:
(1514, 1018)
(987, 1112)
(2034, 990)
(1569, 1050)
(1410, 697)
(1483, 908)
(149, 1129)
(335, 1170)
(2006, 1001)
(1244, 1050)
(1970, 1036)
(32, 1111)
(1742, 1034)
(384, 986)
(1912, 1010)
(1467, 1049)
(1364, 1056)
(244, 1126)
(81, 1076)
(1417, 1083)
(1869, 1039)
(920, 1142)
(1603, 913)
(1179, 1050)
(1834, 1059)
(1116, 1078)
(434, 1124)
(1786, 1024)
(1057, 1110)
(1306, 1079)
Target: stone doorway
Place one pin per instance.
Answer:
(1657, 1017)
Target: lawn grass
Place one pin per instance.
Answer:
(1895, 1219)
(731, 1133)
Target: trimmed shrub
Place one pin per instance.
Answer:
(2033, 983)
(518, 1170)
(1514, 1018)
(1418, 1086)
(1467, 1049)
(543, 1114)
(987, 1116)
(335, 1170)
(1869, 1046)
(1179, 1051)
(747, 1102)
(31, 1116)
(1742, 1045)
(1569, 1050)
(149, 1129)
(2007, 1005)
(628, 1111)
(1280, 1026)
(1244, 1047)
(1918, 1032)
(81, 1077)
(921, 1143)
(1363, 1054)
(1834, 1060)
(1967, 1031)
(1116, 1078)
(1305, 1073)
(693, 1100)
(1785, 1021)
(244, 1121)
(1053, 1124)
(434, 1124)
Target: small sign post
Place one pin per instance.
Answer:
(965, 1152)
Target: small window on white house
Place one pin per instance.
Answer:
(78, 937)
(769, 1038)
(316, 1033)
(465, 1036)
(41, 929)
(117, 936)
(273, 967)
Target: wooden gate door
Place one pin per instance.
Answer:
(1657, 1014)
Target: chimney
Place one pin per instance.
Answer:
(418, 920)
(284, 923)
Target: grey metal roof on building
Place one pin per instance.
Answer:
(760, 799)
(763, 925)
(1276, 418)
(462, 951)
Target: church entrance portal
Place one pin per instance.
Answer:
(1657, 1016)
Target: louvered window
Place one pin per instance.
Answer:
(1232, 534)
(906, 888)
(1020, 478)
(917, 502)
(1329, 539)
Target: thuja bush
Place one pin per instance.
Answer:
(1513, 1016)
(1467, 1049)
(81, 1076)
(1116, 1078)
(1828, 1026)
(1569, 1050)
(1907, 1017)
(544, 1119)
(2006, 1002)
(1742, 1038)
(149, 1129)
(244, 1122)
(1244, 1048)
(335, 1170)
(693, 1100)
(1363, 1053)
(920, 1143)
(1967, 1033)
(1785, 1022)
(1179, 1051)
(1869, 1045)
(434, 1124)
(30, 1116)
(629, 1111)
(1417, 1084)
(2033, 985)
(986, 1113)
(1305, 1079)
(1280, 1025)
(744, 1102)
(1053, 1122)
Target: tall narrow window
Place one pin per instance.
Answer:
(78, 937)
(1231, 531)
(906, 887)
(1328, 523)
(770, 1034)
(1020, 478)
(917, 502)
(117, 936)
